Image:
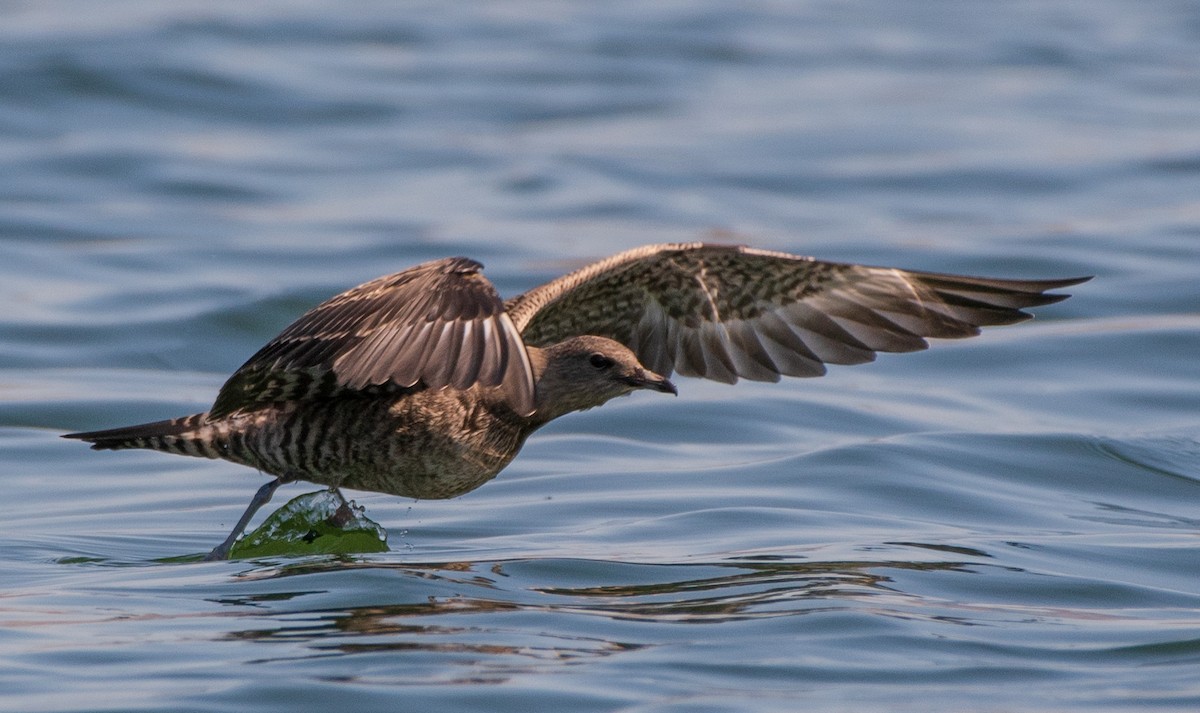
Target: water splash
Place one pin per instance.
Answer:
(321, 522)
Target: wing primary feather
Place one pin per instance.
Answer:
(443, 354)
(831, 343)
(470, 355)
(786, 349)
(753, 361)
(518, 377)
(718, 365)
(491, 368)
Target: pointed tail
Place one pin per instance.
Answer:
(189, 435)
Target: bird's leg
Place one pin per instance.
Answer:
(262, 497)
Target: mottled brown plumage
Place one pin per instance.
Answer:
(425, 384)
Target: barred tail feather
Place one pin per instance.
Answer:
(189, 435)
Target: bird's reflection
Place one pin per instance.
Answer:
(467, 608)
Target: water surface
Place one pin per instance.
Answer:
(1005, 523)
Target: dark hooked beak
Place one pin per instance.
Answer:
(646, 379)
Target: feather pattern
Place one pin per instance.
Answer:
(720, 312)
(434, 325)
(727, 312)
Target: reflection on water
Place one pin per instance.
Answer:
(472, 624)
(1007, 523)
(492, 621)
(709, 593)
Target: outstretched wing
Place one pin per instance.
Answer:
(724, 312)
(434, 325)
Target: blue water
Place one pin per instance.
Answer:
(1007, 523)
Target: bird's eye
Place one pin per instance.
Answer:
(600, 361)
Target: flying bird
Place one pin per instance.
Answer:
(425, 383)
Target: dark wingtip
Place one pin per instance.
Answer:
(1059, 284)
(1052, 298)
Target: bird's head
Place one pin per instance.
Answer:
(583, 372)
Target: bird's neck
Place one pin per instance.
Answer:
(545, 409)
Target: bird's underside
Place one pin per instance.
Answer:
(426, 383)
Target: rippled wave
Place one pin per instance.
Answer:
(1006, 523)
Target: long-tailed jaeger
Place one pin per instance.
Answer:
(426, 383)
